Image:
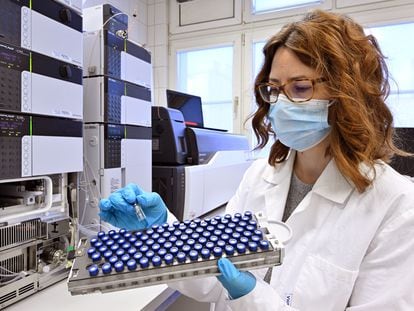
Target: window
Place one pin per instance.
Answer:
(264, 6)
(400, 60)
(208, 73)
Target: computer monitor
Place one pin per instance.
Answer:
(189, 105)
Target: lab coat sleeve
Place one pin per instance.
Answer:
(385, 280)
(262, 298)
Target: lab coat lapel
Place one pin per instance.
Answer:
(276, 195)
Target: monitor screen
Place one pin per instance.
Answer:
(189, 105)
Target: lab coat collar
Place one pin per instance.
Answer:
(331, 185)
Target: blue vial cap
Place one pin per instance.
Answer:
(96, 257)
(143, 248)
(255, 238)
(233, 242)
(138, 244)
(176, 223)
(190, 242)
(144, 262)
(231, 225)
(168, 245)
(162, 252)
(227, 216)
(244, 240)
(137, 256)
(192, 225)
(174, 250)
(228, 231)
(127, 235)
(218, 218)
(199, 230)
(150, 242)
(187, 222)
(105, 238)
(132, 251)
(177, 233)
(171, 229)
(109, 243)
(107, 254)
(202, 240)
(217, 232)
(193, 254)
(236, 235)
(245, 220)
(149, 231)
(121, 241)
(253, 222)
(207, 220)
(179, 243)
(214, 238)
(122, 231)
(235, 220)
(221, 243)
(155, 247)
(138, 234)
(258, 233)
(252, 246)
(197, 247)
(247, 234)
(113, 259)
(126, 245)
(250, 228)
(155, 227)
(131, 264)
(214, 222)
(106, 268)
(184, 237)
(156, 261)
(229, 250)
(101, 234)
(238, 215)
(181, 257)
(119, 266)
(144, 237)
(225, 237)
(161, 230)
(264, 245)
(186, 249)
(149, 254)
(210, 228)
(221, 226)
(98, 244)
(210, 245)
(125, 258)
(206, 234)
(241, 248)
(165, 225)
(217, 251)
(168, 258)
(196, 221)
(248, 214)
(116, 237)
(203, 224)
(155, 236)
(182, 227)
(239, 229)
(205, 253)
(195, 235)
(90, 251)
(132, 239)
(161, 241)
(111, 233)
(93, 270)
(224, 221)
(166, 234)
(120, 252)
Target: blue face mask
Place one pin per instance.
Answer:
(300, 126)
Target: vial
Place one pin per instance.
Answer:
(139, 212)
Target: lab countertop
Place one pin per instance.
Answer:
(57, 297)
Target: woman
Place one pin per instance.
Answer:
(321, 91)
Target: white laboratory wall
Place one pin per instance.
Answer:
(168, 32)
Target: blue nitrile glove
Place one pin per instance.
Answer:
(118, 209)
(238, 283)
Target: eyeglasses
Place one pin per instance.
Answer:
(298, 91)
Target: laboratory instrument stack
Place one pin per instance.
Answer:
(41, 114)
(117, 109)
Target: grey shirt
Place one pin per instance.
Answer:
(297, 191)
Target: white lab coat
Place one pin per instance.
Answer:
(349, 251)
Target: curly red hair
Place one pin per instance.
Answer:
(357, 79)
